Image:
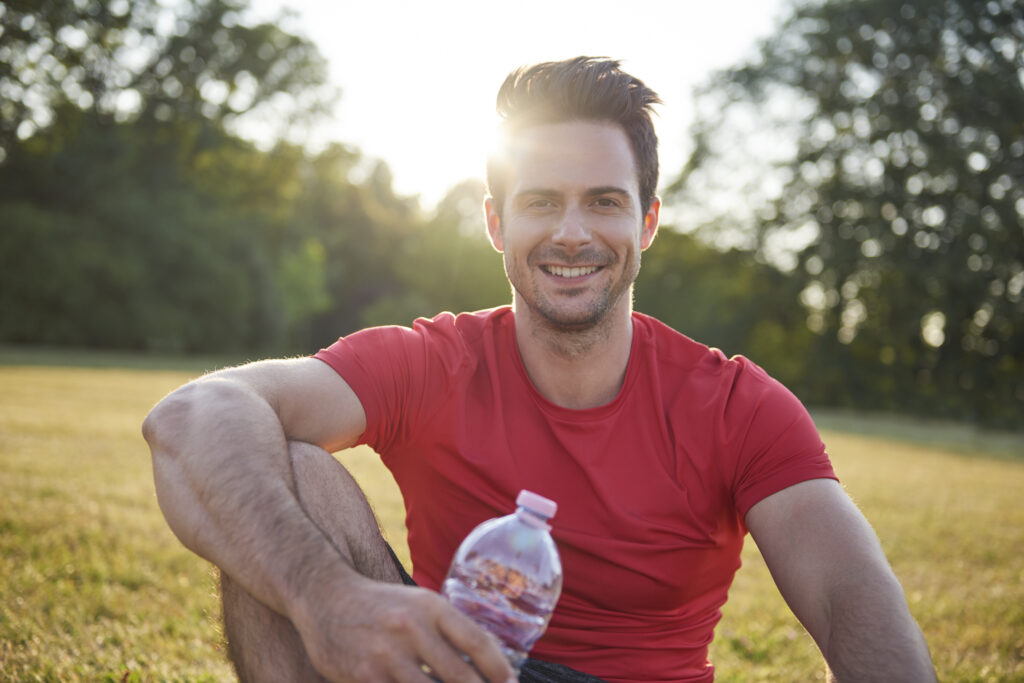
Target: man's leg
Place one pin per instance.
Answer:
(263, 645)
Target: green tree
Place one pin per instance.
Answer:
(898, 132)
(453, 265)
(132, 216)
(128, 59)
(362, 228)
(108, 242)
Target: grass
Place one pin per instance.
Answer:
(95, 587)
(952, 526)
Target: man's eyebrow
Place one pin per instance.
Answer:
(539, 192)
(606, 189)
(550, 193)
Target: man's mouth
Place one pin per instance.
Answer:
(566, 272)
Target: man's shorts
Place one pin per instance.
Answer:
(534, 670)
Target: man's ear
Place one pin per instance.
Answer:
(493, 224)
(650, 227)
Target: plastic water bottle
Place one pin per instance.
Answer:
(507, 576)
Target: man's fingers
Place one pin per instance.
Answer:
(407, 672)
(481, 647)
(388, 632)
(445, 664)
(443, 657)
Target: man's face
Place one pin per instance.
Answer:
(571, 229)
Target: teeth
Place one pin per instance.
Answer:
(561, 271)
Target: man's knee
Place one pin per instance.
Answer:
(318, 473)
(335, 502)
(307, 456)
(324, 487)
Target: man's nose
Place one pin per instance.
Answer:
(572, 229)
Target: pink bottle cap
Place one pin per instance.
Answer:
(537, 504)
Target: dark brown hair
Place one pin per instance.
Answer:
(583, 88)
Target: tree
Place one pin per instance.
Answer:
(149, 59)
(132, 217)
(898, 136)
(455, 267)
(109, 240)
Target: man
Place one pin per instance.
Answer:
(661, 452)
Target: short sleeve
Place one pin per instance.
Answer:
(399, 374)
(774, 439)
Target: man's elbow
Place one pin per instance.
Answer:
(168, 421)
(151, 425)
(177, 430)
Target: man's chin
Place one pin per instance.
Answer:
(570, 311)
(573, 321)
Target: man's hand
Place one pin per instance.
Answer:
(374, 631)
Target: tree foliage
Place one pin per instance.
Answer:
(898, 136)
(133, 217)
(148, 59)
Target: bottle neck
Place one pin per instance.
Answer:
(531, 518)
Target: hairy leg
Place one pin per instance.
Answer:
(262, 644)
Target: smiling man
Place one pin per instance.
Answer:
(661, 452)
(568, 226)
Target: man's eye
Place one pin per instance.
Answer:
(606, 202)
(541, 204)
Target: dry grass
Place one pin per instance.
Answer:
(952, 526)
(95, 586)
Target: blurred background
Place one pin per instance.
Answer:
(843, 180)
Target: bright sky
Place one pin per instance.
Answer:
(418, 78)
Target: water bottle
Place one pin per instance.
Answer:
(507, 577)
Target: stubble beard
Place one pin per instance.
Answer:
(573, 329)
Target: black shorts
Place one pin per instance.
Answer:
(534, 670)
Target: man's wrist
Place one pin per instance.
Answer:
(332, 586)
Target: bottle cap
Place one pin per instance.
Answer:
(537, 504)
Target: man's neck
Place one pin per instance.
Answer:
(577, 368)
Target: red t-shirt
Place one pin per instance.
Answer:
(651, 488)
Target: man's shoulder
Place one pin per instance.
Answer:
(733, 390)
(465, 328)
(676, 352)
(451, 337)
(467, 321)
(675, 348)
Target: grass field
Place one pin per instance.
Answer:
(93, 586)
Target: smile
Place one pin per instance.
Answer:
(562, 271)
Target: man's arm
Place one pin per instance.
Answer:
(225, 484)
(830, 568)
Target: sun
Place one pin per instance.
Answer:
(434, 155)
(418, 80)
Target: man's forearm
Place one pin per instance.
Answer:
(876, 639)
(224, 482)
